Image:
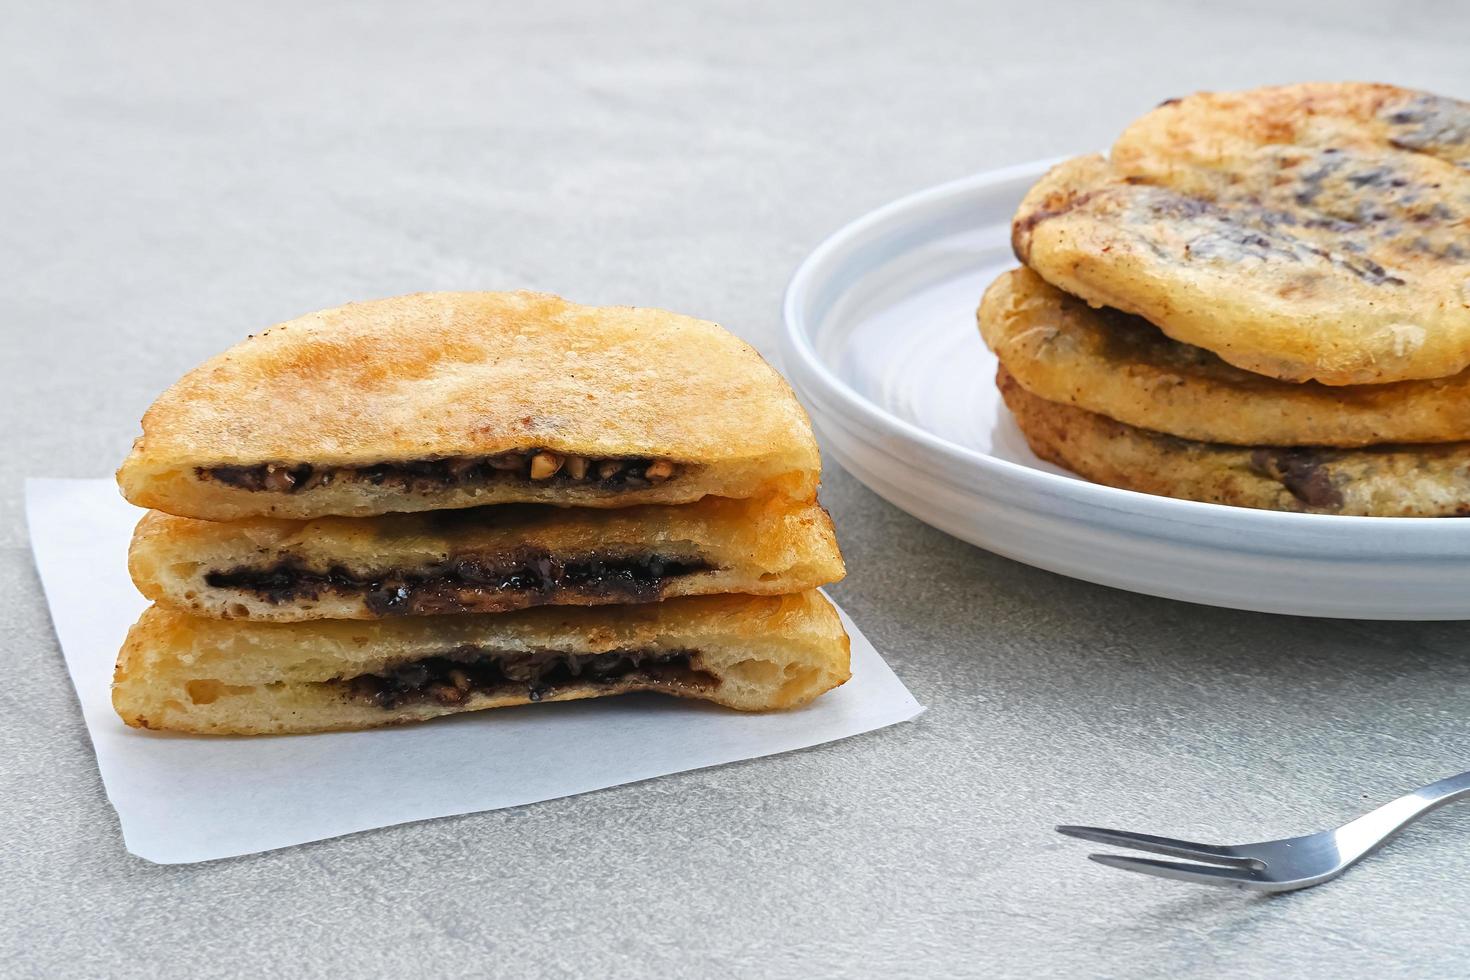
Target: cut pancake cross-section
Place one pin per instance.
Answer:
(486, 559)
(448, 400)
(447, 502)
(753, 653)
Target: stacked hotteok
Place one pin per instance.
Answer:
(354, 512)
(1259, 299)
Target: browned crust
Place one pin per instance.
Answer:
(1402, 481)
(762, 547)
(1061, 349)
(436, 375)
(767, 653)
(1316, 232)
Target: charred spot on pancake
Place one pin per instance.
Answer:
(1428, 123)
(1024, 225)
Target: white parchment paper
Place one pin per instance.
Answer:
(186, 798)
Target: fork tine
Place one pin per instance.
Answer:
(1204, 874)
(1159, 845)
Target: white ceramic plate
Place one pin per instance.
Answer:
(881, 344)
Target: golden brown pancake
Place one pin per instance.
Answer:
(485, 559)
(447, 400)
(1309, 232)
(1060, 349)
(183, 673)
(1393, 481)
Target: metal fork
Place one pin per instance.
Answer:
(1276, 865)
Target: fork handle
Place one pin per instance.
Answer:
(1442, 791)
(1373, 829)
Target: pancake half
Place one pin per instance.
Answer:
(1397, 481)
(1310, 232)
(447, 400)
(1121, 366)
(182, 673)
(487, 559)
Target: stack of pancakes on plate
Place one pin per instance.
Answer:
(1259, 299)
(354, 514)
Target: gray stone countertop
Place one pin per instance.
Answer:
(174, 176)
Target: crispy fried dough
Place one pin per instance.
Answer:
(183, 673)
(1309, 232)
(442, 400)
(1060, 349)
(1398, 481)
(486, 559)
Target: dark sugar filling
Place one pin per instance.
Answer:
(1302, 471)
(425, 475)
(454, 677)
(467, 583)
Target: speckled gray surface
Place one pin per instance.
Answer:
(175, 176)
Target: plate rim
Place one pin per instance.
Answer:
(797, 344)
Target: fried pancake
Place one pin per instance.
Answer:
(445, 400)
(1396, 481)
(182, 673)
(487, 559)
(1311, 232)
(1060, 349)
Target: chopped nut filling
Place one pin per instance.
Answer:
(540, 466)
(545, 465)
(453, 677)
(466, 583)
